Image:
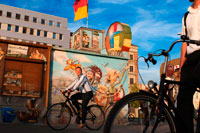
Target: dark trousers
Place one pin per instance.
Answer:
(85, 97)
(190, 78)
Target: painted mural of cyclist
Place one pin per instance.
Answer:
(189, 67)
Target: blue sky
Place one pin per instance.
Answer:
(154, 23)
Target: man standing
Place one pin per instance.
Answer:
(189, 64)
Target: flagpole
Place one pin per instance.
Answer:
(87, 22)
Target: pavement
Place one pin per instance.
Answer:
(23, 127)
(38, 128)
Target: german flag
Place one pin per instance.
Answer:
(80, 9)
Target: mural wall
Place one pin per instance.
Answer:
(88, 40)
(107, 75)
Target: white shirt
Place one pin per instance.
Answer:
(82, 83)
(193, 28)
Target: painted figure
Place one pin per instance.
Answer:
(72, 65)
(86, 39)
(1, 54)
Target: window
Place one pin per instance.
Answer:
(16, 28)
(60, 36)
(34, 20)
(17, 16)
(38, 32)
(131, 81)
(45, 33)
(50, 23)
(58, 24)
(9, 14)
(26, 18)
(131, 68)
(54, 35)
(131, 57)
(24, 30)
(1, 12)
(31, 31)
(9, 27)
(42, 21)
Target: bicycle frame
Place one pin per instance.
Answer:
(164, 84)
(69, 101)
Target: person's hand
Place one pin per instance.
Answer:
(69, 90)
(179, 73)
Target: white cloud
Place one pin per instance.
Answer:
(81, 58)
(60, 57)
(96, 11)
(115, 1)
(150, 28)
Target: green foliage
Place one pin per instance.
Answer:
(134, 89)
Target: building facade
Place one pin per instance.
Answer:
(133, 63)
(33, 27)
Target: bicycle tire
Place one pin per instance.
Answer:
(141, 123)
(58, 116)
(95, 117)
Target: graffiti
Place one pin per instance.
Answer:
(33, 112)
(1, 54)
(118, 38)
(71, 65)
(86, 40)
(77, 40)
(37, 55)
(106, 75)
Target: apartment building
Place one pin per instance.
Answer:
(133, 63)
(29, 26)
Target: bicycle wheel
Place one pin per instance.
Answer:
(95, 117)
(58, 116)
(137, 112)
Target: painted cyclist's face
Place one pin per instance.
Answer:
(78, 71)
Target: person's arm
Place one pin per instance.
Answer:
(78, 83)
(183, 48)
(183, 53)
(71, 85)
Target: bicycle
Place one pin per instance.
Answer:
(59, 115)
(156, 112)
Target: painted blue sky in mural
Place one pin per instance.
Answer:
(154, 23)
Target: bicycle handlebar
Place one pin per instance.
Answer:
(165, 53)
